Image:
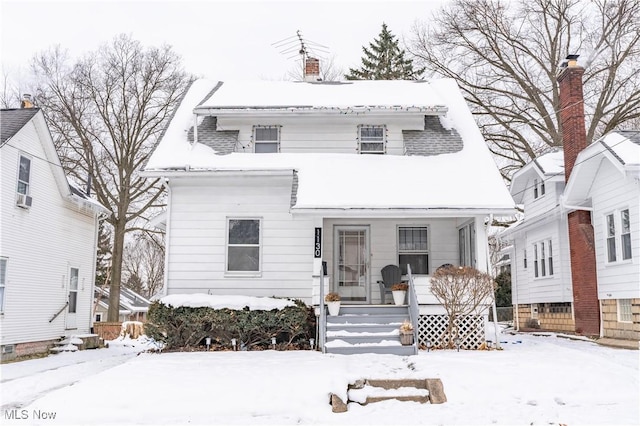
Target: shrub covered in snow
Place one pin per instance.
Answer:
(187, 327)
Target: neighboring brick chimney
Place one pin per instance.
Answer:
(312, 69)
(581, 240)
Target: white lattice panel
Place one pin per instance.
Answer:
(434, 328)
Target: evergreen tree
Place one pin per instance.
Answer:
(384, 60)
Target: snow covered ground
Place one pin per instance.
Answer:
(537, 380)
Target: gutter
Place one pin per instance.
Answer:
(189, 172)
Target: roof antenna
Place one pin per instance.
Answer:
(308, 51)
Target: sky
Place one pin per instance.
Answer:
(535, 380)
(219, 40)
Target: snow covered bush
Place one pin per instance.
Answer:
(186, 327)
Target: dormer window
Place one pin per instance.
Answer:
(538, 188)
(266, 139)
(372, 139)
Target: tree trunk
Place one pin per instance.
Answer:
(116, 270)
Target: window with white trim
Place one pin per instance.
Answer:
(371, 139)
(266, 139)
(413, 249)
(625, 234)
(243, 245)
(543, 259)
(3, 280)
(624, 310)
(24, 175)
(618, 236)
(524, 261)
(467, 245)
(538, 188)
(99, 316)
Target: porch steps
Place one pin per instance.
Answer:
(367, 329)
(76, 343)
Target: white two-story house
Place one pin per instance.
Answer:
(48, 230)
(267, 180)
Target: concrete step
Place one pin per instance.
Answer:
(373, 309)
(368, 319)
(377, 348)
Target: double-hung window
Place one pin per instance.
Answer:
(372, 139)
(625, 235)
(243, 245)
(24, 175)
(538, 188)
(266, 139)
(467, 245)
(611, 238)
(3, 280)
(413, 249)
(543, 259)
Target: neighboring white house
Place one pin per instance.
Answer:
(133, 306)
(280, 176)
(538, 246)
(48, 234)
(606, 182)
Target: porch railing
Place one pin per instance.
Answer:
(413, 308)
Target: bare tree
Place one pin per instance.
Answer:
(144, 263)
(506, 57)
(462, 291)
(106, 111)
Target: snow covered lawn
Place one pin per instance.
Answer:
(538, 380)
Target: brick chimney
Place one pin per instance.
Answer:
(312, 69)
(581, 239)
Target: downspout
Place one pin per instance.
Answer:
(92, 308)
(514, 288)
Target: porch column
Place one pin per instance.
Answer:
(482, 245)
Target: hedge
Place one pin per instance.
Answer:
(186, 327)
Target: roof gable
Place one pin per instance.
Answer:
(547, 167)
(13, 120)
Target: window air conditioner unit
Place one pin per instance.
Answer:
(24, 201)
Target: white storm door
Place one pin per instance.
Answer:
(352, 265)
(72, 307)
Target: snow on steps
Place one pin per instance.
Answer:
(76, 342)
(367, 329)
(369, 391)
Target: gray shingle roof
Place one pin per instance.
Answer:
(433, 140)
(222, 141)
(632, 135)
(12, 120)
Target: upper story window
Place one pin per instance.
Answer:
(413, 249)
(372, 139)
(24, 175)
(538, 188)
(618, 228)
(266, 139)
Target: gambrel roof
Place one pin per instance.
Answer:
(447, 164)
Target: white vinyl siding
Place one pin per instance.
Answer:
(37, 280)
(315, 135)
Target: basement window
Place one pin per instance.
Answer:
(624, 310)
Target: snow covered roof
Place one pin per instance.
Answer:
(548, 167)
(467, 179)
(129, 299)
(394, 94)
(620, 147)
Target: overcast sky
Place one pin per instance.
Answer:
(221, 40)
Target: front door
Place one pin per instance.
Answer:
(352, 263)
(72, 307)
